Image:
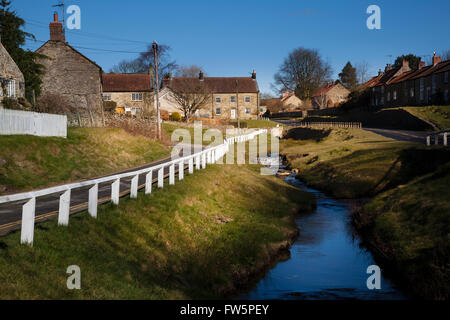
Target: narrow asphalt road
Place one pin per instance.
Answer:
(401, 135)
(47, 207)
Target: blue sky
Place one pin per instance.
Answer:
(230, 38)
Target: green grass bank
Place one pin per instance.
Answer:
(406, 218)
(29, 162)
(205, 237)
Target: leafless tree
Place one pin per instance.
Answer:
(165, 64)
(321, 100)
(189, 71)
(190, 96)
(362, 72)
(129, 66)
(304, 71)
(445, 55)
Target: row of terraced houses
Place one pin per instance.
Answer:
(405, 86)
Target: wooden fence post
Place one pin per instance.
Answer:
(64, 208)
(93, 200)
(134, 187)
(148, 182)
(28, 211)
(115, 190)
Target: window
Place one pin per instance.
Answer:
(218, 111)
(421, 88)
(218, 100)
(136, 97)
(395, 95)
(233, 99)
(247, 99)
(446, 95)
(388, 96)
(107, 97)
(247, 110)
(446, 77)
(428, 94)
(411, 92)
(11, 89)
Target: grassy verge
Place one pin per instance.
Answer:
(439, 116)
(407, 221)
(28, 162)
(409, 224)
(348, 163)
(204, 237)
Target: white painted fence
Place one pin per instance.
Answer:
(33, 123)
(435, 136)
(201, 159)
(331, 125)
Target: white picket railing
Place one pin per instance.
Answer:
(33, 123)
(331, 124)
(201, 158)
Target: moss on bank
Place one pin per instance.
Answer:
(201, 238)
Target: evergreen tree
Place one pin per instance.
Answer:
(411, 58)
(13, 38)
(348, 76)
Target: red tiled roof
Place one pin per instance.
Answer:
(323, 90)
(216, 84)
(126, 82)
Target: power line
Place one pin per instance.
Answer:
(84, 33)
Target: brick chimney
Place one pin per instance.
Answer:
(388, 68)
(436, 59)
(56, 29)
(201, 76)
(254, 74)
(421, 64)
(285, 94)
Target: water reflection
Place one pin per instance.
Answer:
(326, 261)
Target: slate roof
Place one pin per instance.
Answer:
(215, 84)
(126, 82)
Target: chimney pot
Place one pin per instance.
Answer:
(436, 59)
(56, 29)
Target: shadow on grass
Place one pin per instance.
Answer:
(307, 134)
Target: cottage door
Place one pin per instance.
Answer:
(233, 113)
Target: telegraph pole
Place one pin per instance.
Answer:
(158, 116)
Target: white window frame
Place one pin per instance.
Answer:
(247, 99)
(394, 95)
(218, 100)
(233, 98)
(248, 110)
(107, 97)
(220, 111)
(138, 96)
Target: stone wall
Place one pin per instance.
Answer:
(226, 106)
(9, 70)
(71, 75)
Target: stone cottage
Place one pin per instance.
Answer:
(229, 96)
(12, 82)
(329, 96)
(290, 101)
(70, 74)
(132, 92)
